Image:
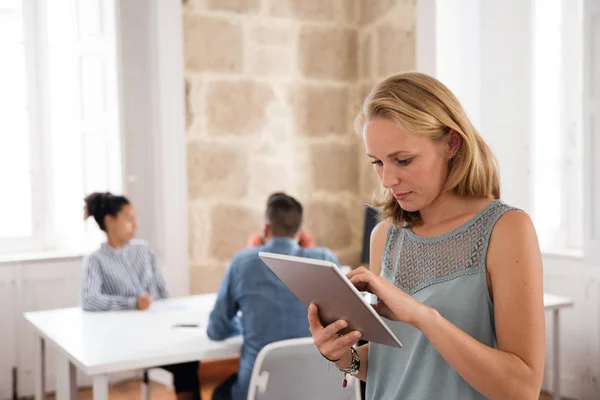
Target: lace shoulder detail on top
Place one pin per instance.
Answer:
(414, 262)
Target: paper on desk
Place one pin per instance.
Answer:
(345, 269)
(163, 307)
(369, 298)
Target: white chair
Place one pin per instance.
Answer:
(295, 370)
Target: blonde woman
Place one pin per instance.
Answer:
(456, 271)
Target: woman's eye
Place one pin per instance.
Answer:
(404, 162)
(376, 162)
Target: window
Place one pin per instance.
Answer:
(18, 128)
(557, 166)
(59, 122)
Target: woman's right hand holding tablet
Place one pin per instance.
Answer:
(331, 344)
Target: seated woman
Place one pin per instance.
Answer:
(123, 275)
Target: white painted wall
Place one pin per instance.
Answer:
(458, 52)
(33, 286)
(580, 326)
(152, 82)
(506, 121)
(591, 128)
(488, 67)
(426, 36)
(8, 336)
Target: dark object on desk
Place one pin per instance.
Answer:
(186, 326)
(371, 219)
(372, 215)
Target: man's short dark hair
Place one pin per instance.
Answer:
(284, 215)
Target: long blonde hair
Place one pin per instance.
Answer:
(425, 106)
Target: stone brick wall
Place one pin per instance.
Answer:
(387, 46)
(272, 88)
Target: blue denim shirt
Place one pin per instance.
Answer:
(270, 311)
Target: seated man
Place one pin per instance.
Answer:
(270, 311)
(305, 239)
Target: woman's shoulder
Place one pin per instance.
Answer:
(92, 256)
(513, 246)
(93, 259)
(513, 233)
(488, 214)
(506, 217)
(380, 230)
(512, 221)
(139, 245)
(379, 235)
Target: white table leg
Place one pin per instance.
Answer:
(40, 375)
(100, 387)
(66, 379)
(556, 354)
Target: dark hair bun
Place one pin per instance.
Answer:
(99, 205)
(92, 203)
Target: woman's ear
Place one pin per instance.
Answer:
(455, 142)
(108, 221)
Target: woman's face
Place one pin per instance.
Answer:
(123, 226)
(413, 167)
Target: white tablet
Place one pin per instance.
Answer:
(322, 283)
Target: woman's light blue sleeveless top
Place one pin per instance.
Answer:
(447, 273)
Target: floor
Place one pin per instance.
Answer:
(211, 374)
(131, 391)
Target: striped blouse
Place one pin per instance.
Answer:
(113, 279)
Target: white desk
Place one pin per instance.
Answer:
(100, 343)
(554, 304)
(106, 342)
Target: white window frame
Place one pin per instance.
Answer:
(57, 218)
(567, 238)
(39, 234)
(572, 124)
